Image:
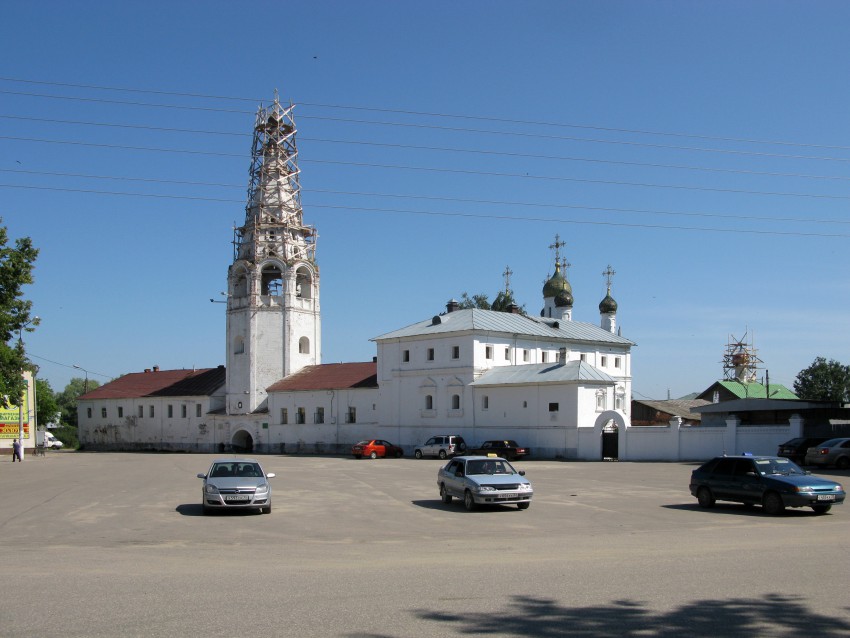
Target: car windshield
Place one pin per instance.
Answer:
(489, 467)
(362, 443)
(236, 469)
(777, 466)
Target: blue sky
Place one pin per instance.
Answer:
(699, 148)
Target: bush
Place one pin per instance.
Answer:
(68, 435)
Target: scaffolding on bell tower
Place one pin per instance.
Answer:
(274, 221)
(740, 362)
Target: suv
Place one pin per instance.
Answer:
(795, 449)
(443, 446)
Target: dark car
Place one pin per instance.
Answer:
(374, 448)
(507, 449)
(773, 482)
(795, 449)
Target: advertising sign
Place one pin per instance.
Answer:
(9, 417)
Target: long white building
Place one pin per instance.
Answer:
(560, 386)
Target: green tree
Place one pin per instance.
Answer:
(46, 406)
(478, 302)
(823, 381)
(16, 264)
(67, 399)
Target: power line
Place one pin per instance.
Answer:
(427, 198)
(443, 115)
(449, 214)
(452, 129)
(448, 149)
(445, 170)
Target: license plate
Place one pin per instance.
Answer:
(826, 497)
(508, 495)
(237, 497)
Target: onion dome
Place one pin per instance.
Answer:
(608, 305)
(557, 283)
(564, 299)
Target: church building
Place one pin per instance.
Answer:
(558, 386)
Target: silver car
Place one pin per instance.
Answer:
(236, 484)
(483, 480)
(833, 452)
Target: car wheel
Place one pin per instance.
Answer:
(821, 509)
(267, 509)
(447, 498)
(418, 454)
(373, 455)
(398, 454)
(523, 506)
(468, 501)
(773, 504)
(705, 497)
(843, 463)
(442, 454)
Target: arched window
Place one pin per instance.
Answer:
(240, 286)
(600, 400)
(272, 281)
(304, 345)
(455, 402)
(303, 283)
(429, 402)
(239, 345)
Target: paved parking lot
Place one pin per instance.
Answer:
(117, 545)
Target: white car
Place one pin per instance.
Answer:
(442, 446)
(484, 480)
(235, 483)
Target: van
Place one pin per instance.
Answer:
(46, 439)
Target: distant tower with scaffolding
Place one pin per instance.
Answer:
(273, 312)
(740, 361)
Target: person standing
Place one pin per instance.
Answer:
(16, 451)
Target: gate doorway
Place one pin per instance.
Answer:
(610, 442)
(242, 441)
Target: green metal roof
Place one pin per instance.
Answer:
(755, 390)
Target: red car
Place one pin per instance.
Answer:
(375, 448)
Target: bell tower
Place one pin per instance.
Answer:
(273, 313)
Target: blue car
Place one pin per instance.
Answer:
(483, 480)
(773, 482)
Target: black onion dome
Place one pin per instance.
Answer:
(608, 304)
(564, 299)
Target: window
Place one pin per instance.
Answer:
(619, 399)
(600, 399)
(271, 281)
(507, 354)
(239, 345)
(525, 355)
(455, 352)
(488, 352)
(197, 409)
(300, 416)
(429, 402)
(120, 412)
(544, 356)
(284, 416)
(455, 402)
(553, 407)
(616, 362)
(141, 411)
(525, 404)
(485, 402)
(351, 415)
(88, 412)
(405, 356)
(150, 411)
(170, 411)
(430, 354)
(603, 361)
(183, 410)
(319, 417)
(304, 345)
(583, 357)
(103, 412)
